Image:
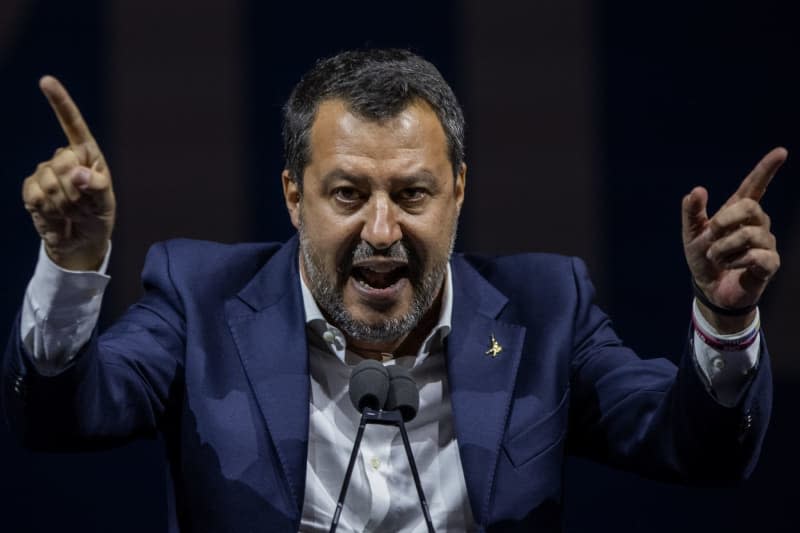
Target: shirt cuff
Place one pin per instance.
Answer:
(60, 311)
(726, 361)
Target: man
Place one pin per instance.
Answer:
(240, 355)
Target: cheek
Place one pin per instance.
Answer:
(332, 240)
(433, 237)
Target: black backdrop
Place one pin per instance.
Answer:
(671, 96)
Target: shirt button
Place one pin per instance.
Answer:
(718, 363)
(375, 463)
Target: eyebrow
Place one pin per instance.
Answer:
(423, 176)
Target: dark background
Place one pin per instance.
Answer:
(587, 123)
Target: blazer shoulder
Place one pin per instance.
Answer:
(196, 262)
(543, 266)
(558, 280)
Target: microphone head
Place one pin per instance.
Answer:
(369, 385)
(403, 393)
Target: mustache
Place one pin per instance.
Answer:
(399, 251)
(364, 250)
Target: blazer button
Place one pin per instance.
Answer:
(747, 422)
(19, 386)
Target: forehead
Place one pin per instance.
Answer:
(412, 138)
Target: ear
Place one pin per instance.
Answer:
(292, 196)
(460, 184)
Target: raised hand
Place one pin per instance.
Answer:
(70, 197)
(733, 254)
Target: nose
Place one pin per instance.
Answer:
(381, 228)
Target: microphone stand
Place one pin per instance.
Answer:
(383, 418)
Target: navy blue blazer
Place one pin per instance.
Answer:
(214, 357)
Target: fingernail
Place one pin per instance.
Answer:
(81, 178)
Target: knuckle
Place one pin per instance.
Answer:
(47, 210)
(48, 182)
(65, 160)
(81, 152)
(44, 172)
(750, 206)
(72, 195)
(41, 225)
(27, 187)
(33, 197)
(751, 233)
(37, 203)
(749, 203)
(732, 240)
(52, 189)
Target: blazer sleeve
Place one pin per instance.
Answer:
(119, 386)
(653, 418)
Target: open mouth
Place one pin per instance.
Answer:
(379, 276)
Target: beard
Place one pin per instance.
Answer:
(328, 287)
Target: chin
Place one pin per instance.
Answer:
(373, 317)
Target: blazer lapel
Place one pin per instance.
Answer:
(481, 383)
(267, 322)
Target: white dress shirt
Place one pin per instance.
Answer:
(382, 495)
(60, 311)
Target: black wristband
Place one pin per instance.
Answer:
(726, 311)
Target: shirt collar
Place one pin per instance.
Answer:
(334, 340)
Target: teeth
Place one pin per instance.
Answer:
(368, 286)
(381, 268)
(365, 284)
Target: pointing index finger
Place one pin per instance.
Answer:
(755, 184)
(68, 114)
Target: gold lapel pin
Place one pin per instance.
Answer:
(494, 347)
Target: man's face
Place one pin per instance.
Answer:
(377, 218)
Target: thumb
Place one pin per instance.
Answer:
(695, 217)
(89, 180)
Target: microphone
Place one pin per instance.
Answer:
(369, 387)
(403, 397)
(403, 393)
(386, 396)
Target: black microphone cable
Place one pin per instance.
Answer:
(403, 397)
(385, 396)
(369, 387)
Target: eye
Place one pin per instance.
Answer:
(413, 195)
(347, 195)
